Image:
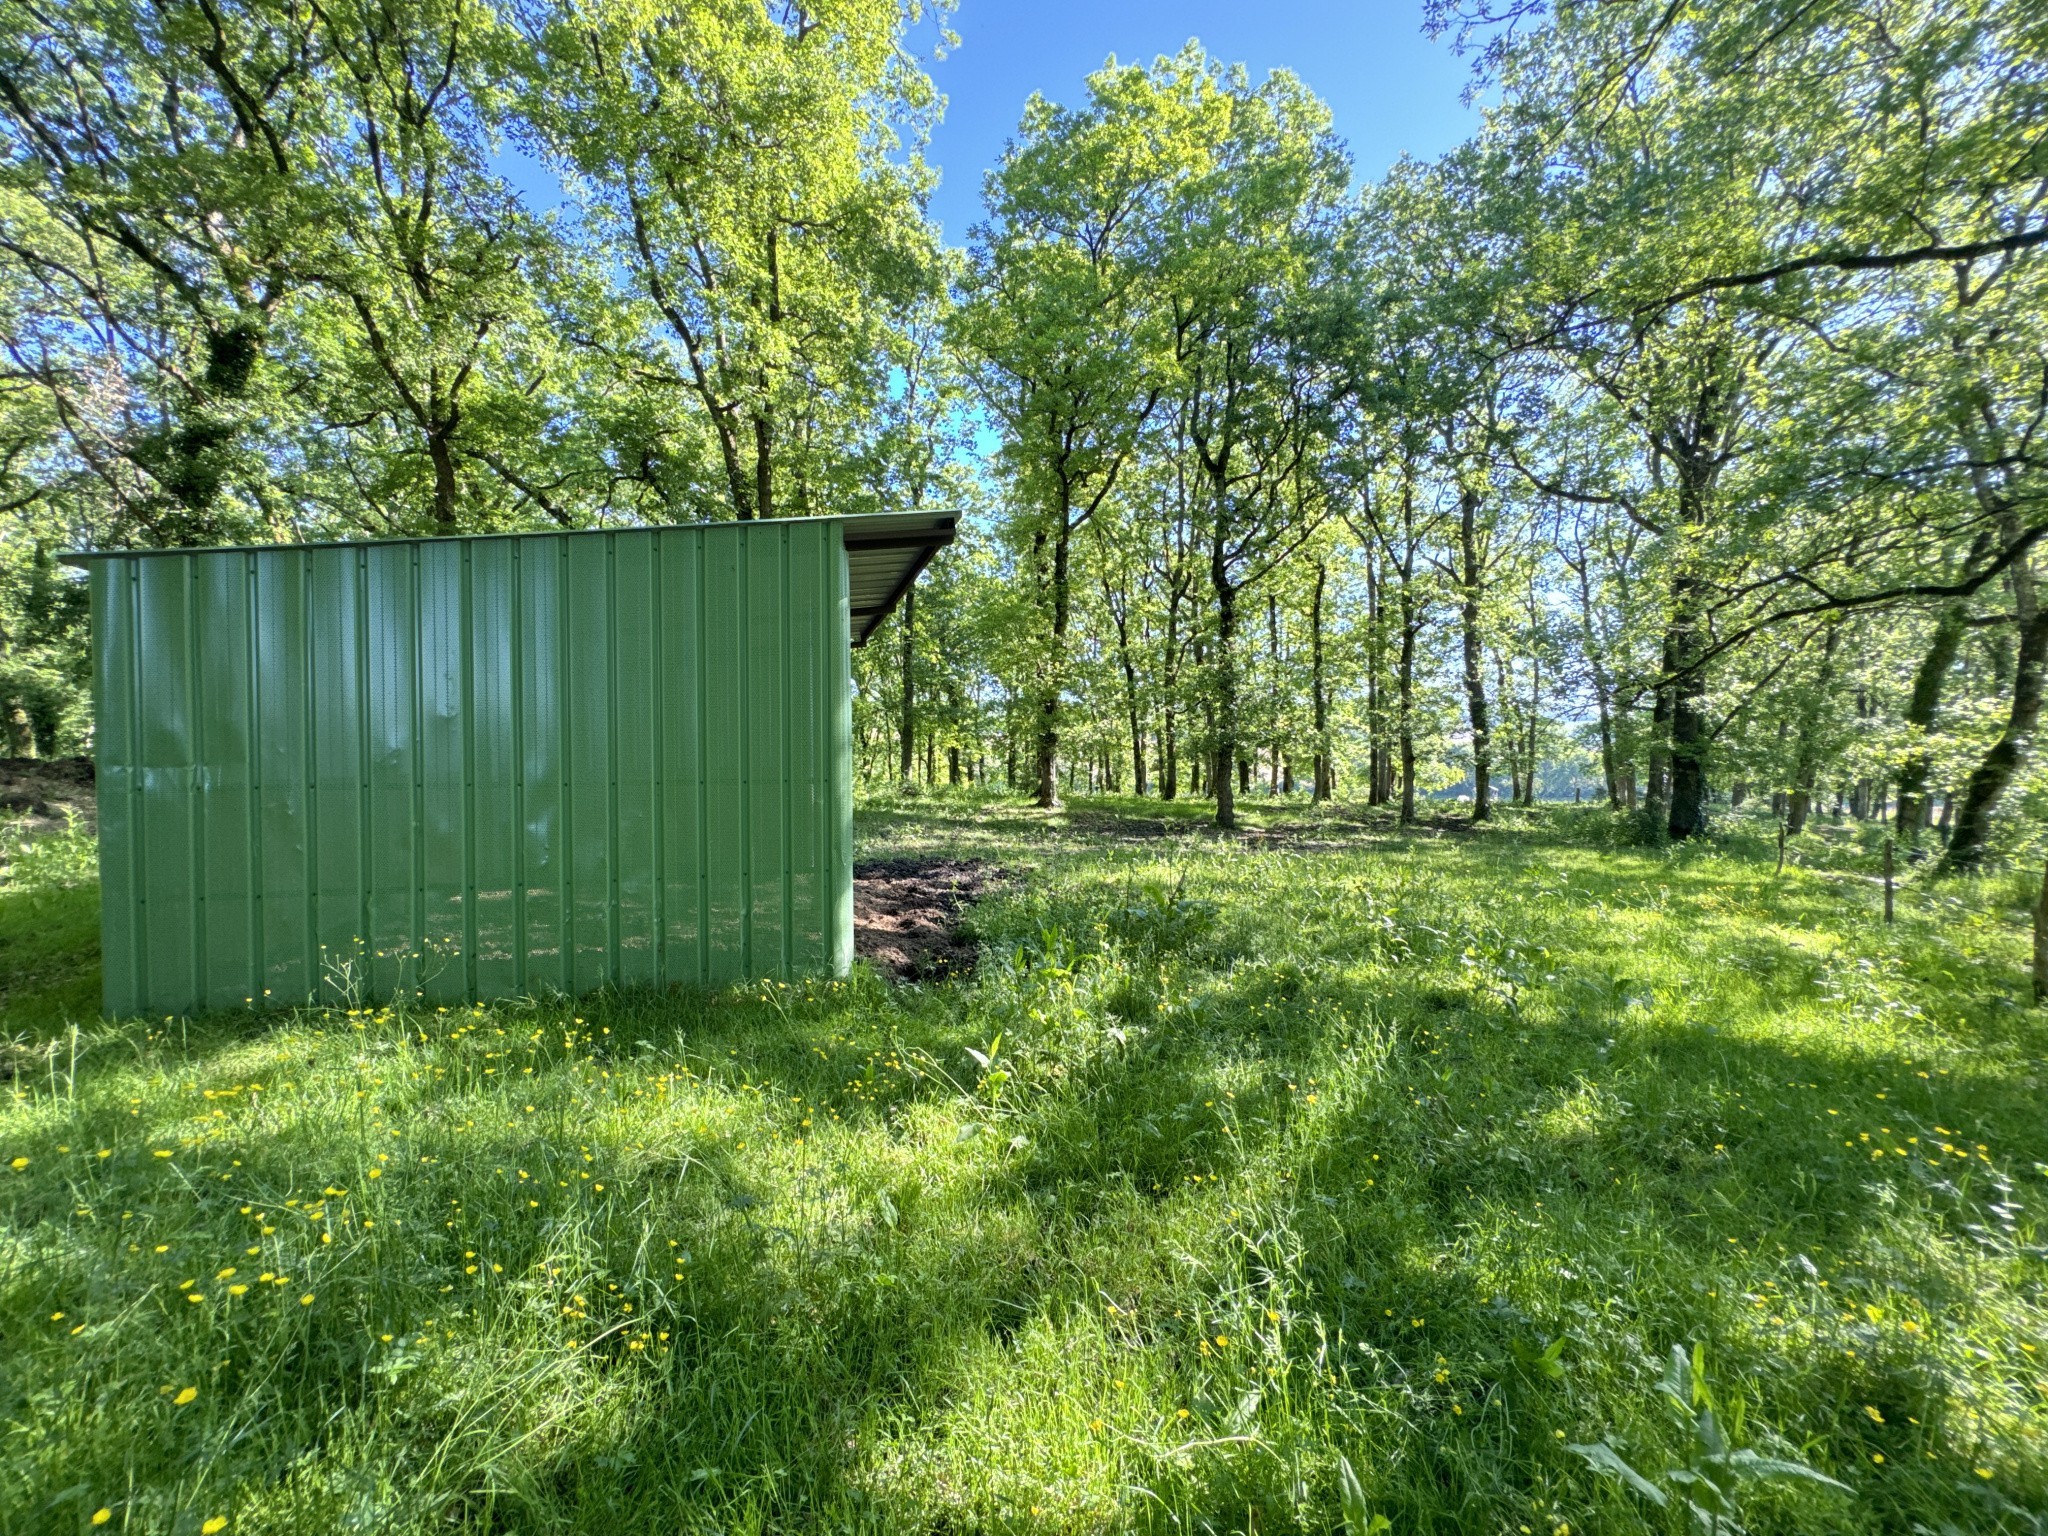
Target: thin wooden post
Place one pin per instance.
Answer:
(2041, 943)
(1887, 879)
(1781, 845)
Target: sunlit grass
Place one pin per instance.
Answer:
(1271, 1153)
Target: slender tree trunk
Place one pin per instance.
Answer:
(1504, 696)
(1806, 766)
(1969, 841)
(1535, 708)
(906, 729)
(2041, 943)
(1404, 681)
(1610, 770)
(1226, 685)
(1272, 689)
(1475, 677)
(764, 467)
(954, 713)
(1921, 709)
(1055, 679)
(1137, 745)
(1320, 699)
(1375, 726)
(1131, 713)
(1169, 733)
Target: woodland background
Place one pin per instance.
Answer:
(1677, 440)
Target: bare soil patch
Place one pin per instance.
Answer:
(46, 790)
(906, 914)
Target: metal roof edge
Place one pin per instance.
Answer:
(946, 522)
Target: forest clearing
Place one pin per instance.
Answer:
(1232, 1163)
(990, 769)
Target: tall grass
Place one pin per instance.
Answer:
(1233, 1165)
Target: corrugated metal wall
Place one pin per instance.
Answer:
(482, 766)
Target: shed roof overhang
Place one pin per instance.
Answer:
(884, 554)
(885, 551)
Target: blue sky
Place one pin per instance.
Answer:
(1389, 88)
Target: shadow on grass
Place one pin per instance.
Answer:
(49, 960)
(1441, 1166)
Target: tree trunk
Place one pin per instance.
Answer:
(1504, 696)
(1169, 734)
(1475, 678)
(1320, 700)
(1921, 709)
(906, 729)
(1535, 709)
(1806, 766)
(1689, 733)
(1970, 839)
(1610, 769)
(2041, 943)
(1055, 678)
(764, 467)
(1226, 686)
(1130, 671)
(1404, 680)
(1377, 756)
(442, 452)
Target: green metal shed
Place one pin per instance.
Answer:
(485, 765)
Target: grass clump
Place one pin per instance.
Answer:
(1246, 1186)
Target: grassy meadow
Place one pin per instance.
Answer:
(1330, 1177)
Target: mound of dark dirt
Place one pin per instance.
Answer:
(46, 788)
(906, 914)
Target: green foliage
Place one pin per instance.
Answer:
(1358, 1517)
(264, 276)
(49, 861)
(1684, 422)
(1708, 1484)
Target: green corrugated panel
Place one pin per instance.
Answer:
(479, 766)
